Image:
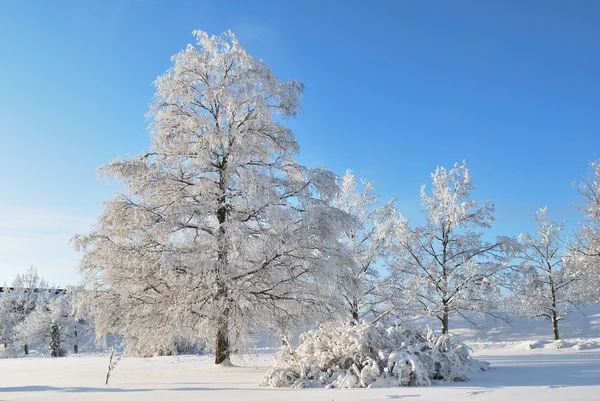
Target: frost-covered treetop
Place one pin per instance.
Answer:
(449, 205)
(215, 102)
(548, 233)
(217, 87)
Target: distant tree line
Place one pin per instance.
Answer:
(33, 312)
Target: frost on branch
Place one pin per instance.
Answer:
(219, 231)
(364, 293)
(586, 245)
(447, 266)
(370, 355)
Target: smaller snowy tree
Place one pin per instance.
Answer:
(445, 266)
(548, 280)
(54, 323)
(35, 328)
(74, 323)
(6, 317)
(18, 301)
(55, 348)
(362, 290)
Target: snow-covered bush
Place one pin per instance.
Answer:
(370, 355)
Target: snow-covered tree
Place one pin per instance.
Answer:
(55, 348)
(446, 266)
(367, 242)
(586, 247)
(76, 324)
(549, 282)
(54, 323)
(18, 301)
(73, 325)
(35, 328)
(220, 229)
(6, 317)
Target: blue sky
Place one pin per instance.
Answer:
(393, 89)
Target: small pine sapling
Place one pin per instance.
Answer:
(55, 348)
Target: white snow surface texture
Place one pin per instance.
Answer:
(525, 365)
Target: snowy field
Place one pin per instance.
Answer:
(531, 368)
(516, 374)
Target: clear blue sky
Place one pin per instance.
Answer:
(393, 89)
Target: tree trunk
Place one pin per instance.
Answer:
(445, 299)
(555, 325)
(222, 349)
(445, 320)
(355, 316)
(553, 293)
(554, 317)
(285, 341)
(222, 343)
(26, 349)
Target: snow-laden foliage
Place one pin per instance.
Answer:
(586, 247)
(219, 230)
(345, 355)
(32, 313)
(177, 342)
(548, 283)
(56, 323)
(361, 287)
(55, 347)
(17, 302)
(446, 266)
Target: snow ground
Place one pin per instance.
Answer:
(516, 374)
(525, 365)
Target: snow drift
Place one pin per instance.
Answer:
(370, 355)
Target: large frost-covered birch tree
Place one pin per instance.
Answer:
(446, 266)
(220, 229)
(362, 289)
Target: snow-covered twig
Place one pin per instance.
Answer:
(112, 363)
